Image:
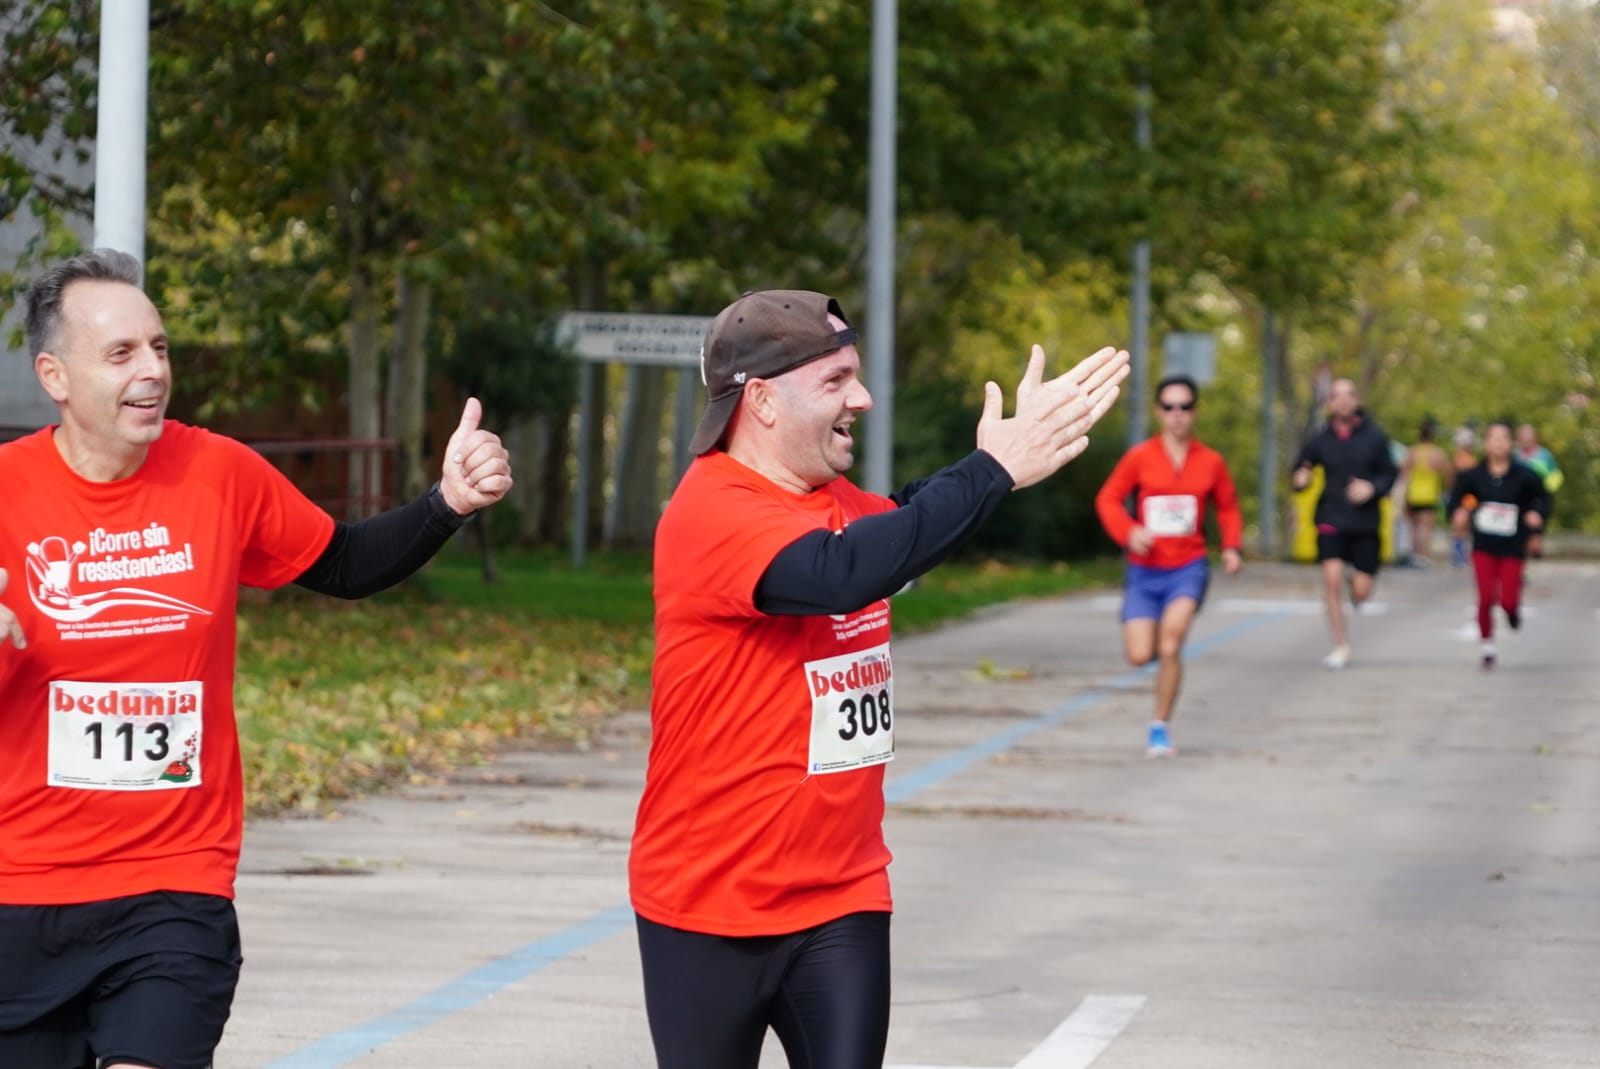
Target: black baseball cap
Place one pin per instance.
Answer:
(760, 336)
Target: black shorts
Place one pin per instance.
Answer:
(825, 991)
(147, 979)
(1360, 548)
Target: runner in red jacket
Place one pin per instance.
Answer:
(1173, 478)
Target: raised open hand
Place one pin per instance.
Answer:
(1052, 419)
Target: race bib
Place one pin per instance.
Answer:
(125, 736)
(1496, 518)
(852, 710)
(1169, 515)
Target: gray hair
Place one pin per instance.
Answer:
(47, 292)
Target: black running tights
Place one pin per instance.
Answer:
(824, 991)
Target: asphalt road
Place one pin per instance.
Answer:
(1396, 865)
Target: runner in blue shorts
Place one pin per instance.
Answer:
(1172, 478)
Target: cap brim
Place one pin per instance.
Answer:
(713, 423)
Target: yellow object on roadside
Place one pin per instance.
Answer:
(1303, 509)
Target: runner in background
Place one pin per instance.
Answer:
(1504, 504)
(1174, 479)
(1463, 458)
(1543, 463)
(1353, 452)
(1427, 474)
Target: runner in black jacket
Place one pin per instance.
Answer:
(1505, 503)
(1354, 454)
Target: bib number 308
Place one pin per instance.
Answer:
(852, 710)
(866, 716)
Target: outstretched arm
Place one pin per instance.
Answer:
(875, 556)
(375, 554)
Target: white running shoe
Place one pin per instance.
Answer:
(1337, 658)
(1488, 655)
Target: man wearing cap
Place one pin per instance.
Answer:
(758, 871)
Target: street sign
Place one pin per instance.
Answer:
(634, 338)
(1193, 354)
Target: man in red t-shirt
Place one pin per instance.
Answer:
(758, 870)
(123, 541)
(1175, 478)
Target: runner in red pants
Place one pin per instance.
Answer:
(1505, 503)
(1499, 583)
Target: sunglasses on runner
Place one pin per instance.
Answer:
(1181, 406)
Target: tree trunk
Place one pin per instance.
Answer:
(365, 481)
(526, 446)
(595, 443)
(588, 286)
(555, 481)
(539, 453)
(1267, 487)
(631, 520)
(480, 528)
(1368, 359)
(408, 377)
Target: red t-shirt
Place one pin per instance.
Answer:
(1172, 502)
(763, 804)
(122, 757)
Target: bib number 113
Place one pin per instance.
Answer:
(123, 734)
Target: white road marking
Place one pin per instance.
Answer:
(1085, 1035)
(1078, 1040)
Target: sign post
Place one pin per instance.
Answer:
(1191, 353)
(635, 339)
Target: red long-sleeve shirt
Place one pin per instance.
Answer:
(1171, 503)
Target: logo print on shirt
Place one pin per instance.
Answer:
(49, 566)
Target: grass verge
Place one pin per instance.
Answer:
(336, 699)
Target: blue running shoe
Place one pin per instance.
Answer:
(1160, 745)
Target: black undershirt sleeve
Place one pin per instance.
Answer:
(875, 556)
(375, 554)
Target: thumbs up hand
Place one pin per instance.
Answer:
(477, 468)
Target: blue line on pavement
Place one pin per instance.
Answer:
(903, 787)
(343, 1047)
